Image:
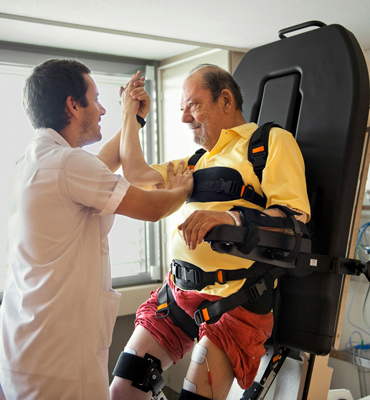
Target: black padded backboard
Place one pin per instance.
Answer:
(316, 85)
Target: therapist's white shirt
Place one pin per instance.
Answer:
(58, 312)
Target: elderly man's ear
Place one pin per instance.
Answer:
(228, 100)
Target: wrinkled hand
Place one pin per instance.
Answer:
(199, 223)
(182, 178)
(134, 94)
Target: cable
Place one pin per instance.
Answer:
(209, 376)
(367, 324)
(362, 254)
(363, 250)
(362, 371)
(350, 310)
(350, 346)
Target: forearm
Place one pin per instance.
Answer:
(135, 167)
(151, 205)
(263, 220)
(109, 153)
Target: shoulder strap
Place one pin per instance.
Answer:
(195, 158)
(259, 147)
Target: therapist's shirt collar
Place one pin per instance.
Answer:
(48, 132)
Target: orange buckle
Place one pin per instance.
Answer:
(161, 306)
(258, 149)
(220, 276)
(242, 191)
(276, 358)
(162, 311)
(205, 314)
(201, 315)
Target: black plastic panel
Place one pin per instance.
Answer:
(316, 85)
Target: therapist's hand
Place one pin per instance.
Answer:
(182, 178)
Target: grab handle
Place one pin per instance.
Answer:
(307, 24)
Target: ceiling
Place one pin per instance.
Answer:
(159, 29)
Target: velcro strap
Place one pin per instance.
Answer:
(144, 372)
(253, 217)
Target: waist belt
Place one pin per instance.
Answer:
(256, 295)
(222, 184)
(188, 276)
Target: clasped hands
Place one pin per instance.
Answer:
(135, 95)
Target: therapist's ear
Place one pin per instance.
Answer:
(71, 107)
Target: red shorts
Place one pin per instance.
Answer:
(239, 333)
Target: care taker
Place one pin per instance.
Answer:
(59, 310)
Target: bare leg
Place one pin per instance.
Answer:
(218, 366)
(142, 342)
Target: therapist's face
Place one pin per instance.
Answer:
(90, 131)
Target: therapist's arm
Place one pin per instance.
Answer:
(109, 153)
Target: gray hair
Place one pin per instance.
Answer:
(215, 79)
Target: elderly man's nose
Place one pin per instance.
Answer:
(186, 116)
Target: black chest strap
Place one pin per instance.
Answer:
(208, 187)
(222, 184)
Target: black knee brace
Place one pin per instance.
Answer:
(144, 372)
(186, 395)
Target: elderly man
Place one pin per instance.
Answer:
(232, 344)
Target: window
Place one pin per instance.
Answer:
(134, 245)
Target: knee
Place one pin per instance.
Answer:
(117, 388)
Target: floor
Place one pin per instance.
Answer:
(170, 394)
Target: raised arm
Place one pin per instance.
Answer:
(124, 149)
(136, 169)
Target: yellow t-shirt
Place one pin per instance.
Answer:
(283, 183)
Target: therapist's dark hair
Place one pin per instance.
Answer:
(215, 79)
(46, 91)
